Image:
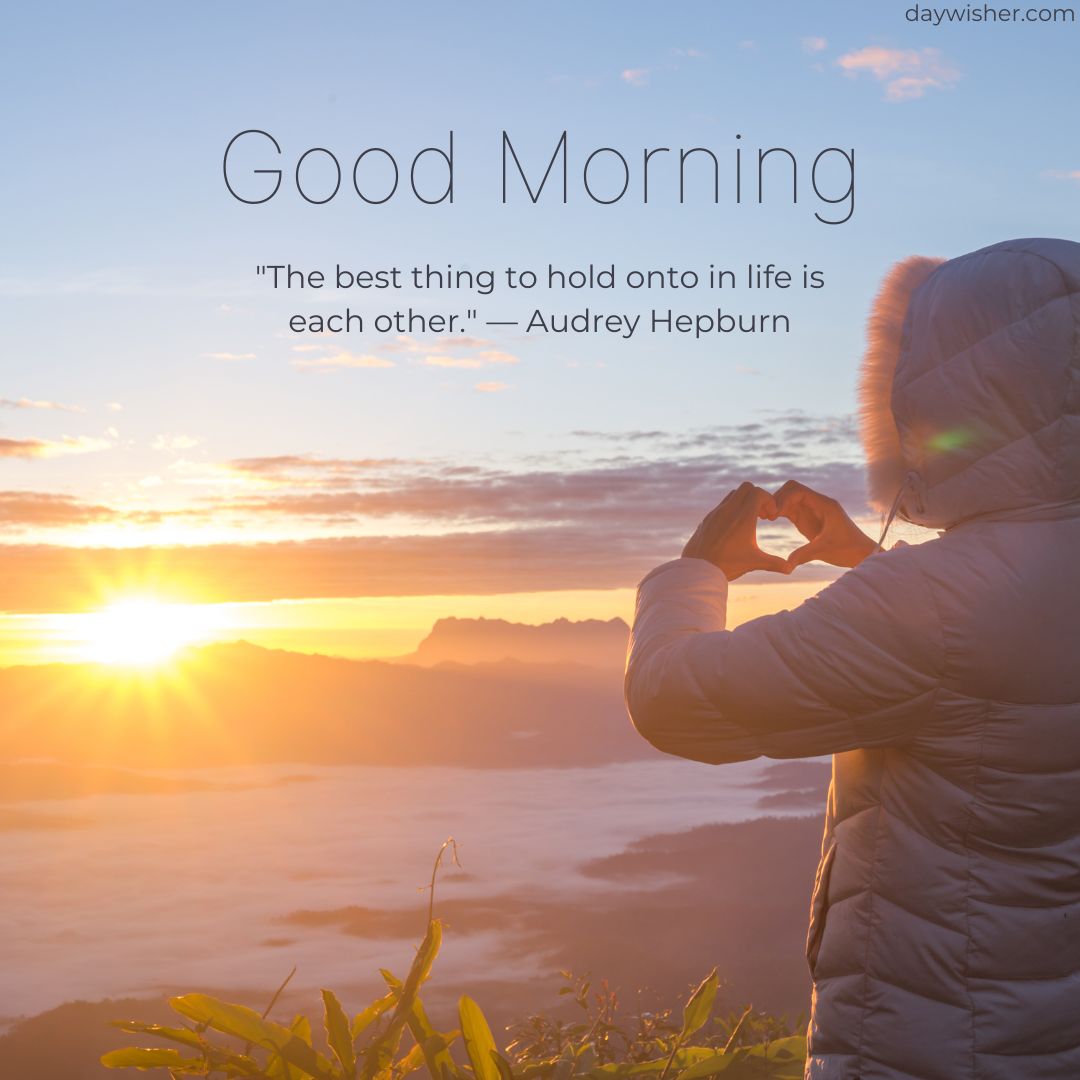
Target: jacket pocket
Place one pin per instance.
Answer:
(819, 907)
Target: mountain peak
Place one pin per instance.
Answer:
(592, 642)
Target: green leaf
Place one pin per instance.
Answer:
(781, 1059)
(180, 1035)
(479, 1042)
(684, 1057)
(586, 1058)
(338, 1035)
(699, 1007)
(502, 1065)
(363, 1020)
(716, 1064)
(410, 1062)
(434, 1045)
(301, 1028)
(564, 1067)
(381, 1052)
(135, 1057)
(248, 1025)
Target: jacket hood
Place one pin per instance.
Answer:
(970, 385)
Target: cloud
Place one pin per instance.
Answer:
(342, 359)
(814, 44)
(480, 359)
(452, 361)
(906, 73)
(1062, 174)
(596, 514)
(405, 343)
(468, 353)
(229, 356)
(172, 444)
(39, 509)
(114, 406)
(30, 403)
(310, 470)
(644, 482)
(635, 76)
(490, 387)
(50, 448)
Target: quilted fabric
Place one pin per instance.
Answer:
(944, 939)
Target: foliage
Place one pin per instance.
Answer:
(223, 1040)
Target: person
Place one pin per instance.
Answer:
(944, 677)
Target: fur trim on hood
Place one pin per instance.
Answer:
(886, 468)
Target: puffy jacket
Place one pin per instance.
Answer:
(944, 940)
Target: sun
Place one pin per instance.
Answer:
(142, 632)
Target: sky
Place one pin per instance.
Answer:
(164, 433)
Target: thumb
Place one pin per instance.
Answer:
(806, 553)
(774, 563)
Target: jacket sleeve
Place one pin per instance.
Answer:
(857, 665)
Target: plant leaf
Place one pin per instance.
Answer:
(246, 1024)
(180, 1035)
(338, 1034)
(479, 1042)
(410, 1062)
(439, 1062)
(699, 1007)
(160, 1057)
(363, 1020)
(381, 1052)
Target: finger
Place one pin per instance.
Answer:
(749, 496)
(773, 563)
(806, 553)
(765, 504)
(789, 486)
(792, 496)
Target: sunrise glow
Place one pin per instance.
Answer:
(141, 631)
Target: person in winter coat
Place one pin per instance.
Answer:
(944, 677)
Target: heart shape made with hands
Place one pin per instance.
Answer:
(831, 536)
(728, 536)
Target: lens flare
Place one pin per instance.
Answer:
(141, 631)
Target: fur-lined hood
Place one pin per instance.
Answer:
(970, 385)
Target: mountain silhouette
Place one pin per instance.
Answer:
(593, 642)
(239, 704)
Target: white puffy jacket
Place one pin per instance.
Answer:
(944, 939)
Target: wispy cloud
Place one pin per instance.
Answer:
(172, 444)
(468, 353)
(635, 76)
(30, 403)
(1062, 174)
(50, 448)
(341, 360)
(490, 387)
(480, 359)
(230, 357)
(405, 343)
(597, 514)
(40, 509)
(814, 44)
(906, 73)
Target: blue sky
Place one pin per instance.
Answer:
(126, 266)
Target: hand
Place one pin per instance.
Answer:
(831, 535)
(728, 536)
